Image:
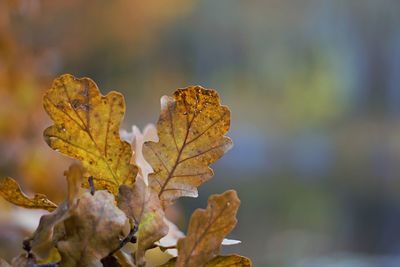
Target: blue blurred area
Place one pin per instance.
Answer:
(314, 89)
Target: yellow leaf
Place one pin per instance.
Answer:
(191, 131)
(207, 229)
(143, 205)
(11, 191)
(86, 127)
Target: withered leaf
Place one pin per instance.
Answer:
(3, 263)
(74, 177)
(207, 229)
(41, 241)
(191, 131)
(86, 127)
(93, 229)
(23, 260)
(11, 191)
(142, 204)
(174, 234)
(229, 261)
(219, 261)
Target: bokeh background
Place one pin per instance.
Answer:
(314, 89)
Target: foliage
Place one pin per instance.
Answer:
(112, 199)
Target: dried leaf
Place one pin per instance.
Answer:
(191, 130)
(219, 261)
(143, 205)
(23, 260)
(41, 241)
(229, 261)
(74, 177)
(86, 127)
(11, 191)
(3, 263)
(124, 259)
(93, 229)
(207, 229)
(174, 234)
(171, 239)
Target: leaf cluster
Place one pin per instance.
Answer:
(118, 191)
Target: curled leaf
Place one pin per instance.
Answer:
(143, 205)
(11, 191)
(86, 127)
(191, 131)
(74, 177)
(93, 229)
(41, 241)
(207, 229)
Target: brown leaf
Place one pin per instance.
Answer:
(93, 229)
(74, 177)
(23, 260)
(191, 131)
(3, 263)
(86, 127)
(41, 241)
(229, 261)
(11, 191)
(174, 234)
(219, 261)
(143, 205)
(207, 229)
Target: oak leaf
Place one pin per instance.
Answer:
(11, 191)
(229, 261)
(86, 127)
(191, 130)
(93, 230)
(220, 261)
(142, 204)
(207, 229)
(174, 234)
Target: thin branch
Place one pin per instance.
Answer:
(91, 185)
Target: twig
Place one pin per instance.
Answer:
(91, 185)
(129, 238)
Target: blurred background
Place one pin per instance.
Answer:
(314, 89)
